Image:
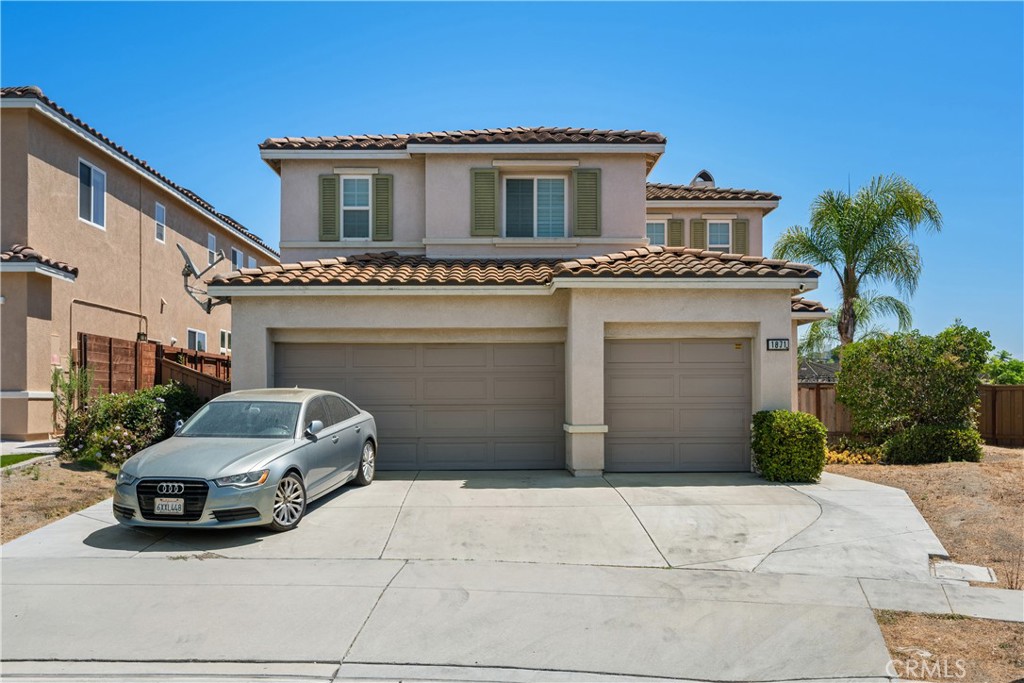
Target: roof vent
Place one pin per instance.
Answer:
(703, 179)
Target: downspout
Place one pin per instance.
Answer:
(141, 211)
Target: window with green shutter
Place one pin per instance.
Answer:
(383, 207)
(675, 232)
(586, 191)
(741, 236)
(484, 203)
(699, 233)
(330, 216)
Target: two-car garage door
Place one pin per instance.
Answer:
(445, 406)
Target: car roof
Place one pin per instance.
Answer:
(292, 395)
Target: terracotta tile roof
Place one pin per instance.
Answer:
(392, 269)
(20, 253)
(516, 135)
(802, 305)
(34, 92)
(662, 191)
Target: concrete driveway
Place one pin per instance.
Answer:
(488, 576)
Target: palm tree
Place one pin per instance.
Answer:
(865, 239)
(822, 336)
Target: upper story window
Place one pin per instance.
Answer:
(237, 259)
(196, 340)
(160, 215)
(720, 236)
(355, 206)
(656, 232)
(535, 206)
(211, 248)
(252, 261)
(92, 194)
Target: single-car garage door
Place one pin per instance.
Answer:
(445, 406)
(677, 405)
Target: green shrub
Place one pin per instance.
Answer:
(930, 443)
(114, 427)
(788, 446)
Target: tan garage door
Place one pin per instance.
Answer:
(445, 406)
(677, 405)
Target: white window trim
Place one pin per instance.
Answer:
(206, 341)
(241, 258)
(342, 209)
(664, 226)
(92, 209)
(158, 224)
(211, 254)
(535, 177)
(728, 249)
(225, 349)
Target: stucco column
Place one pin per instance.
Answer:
(252, 355)
(794, 400)
(774, 373)
(584, 385)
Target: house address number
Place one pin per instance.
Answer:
(778, 345)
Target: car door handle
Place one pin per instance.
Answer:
(357, 430)
(334, 438)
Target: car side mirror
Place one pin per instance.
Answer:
(178, 425)
(314, 427)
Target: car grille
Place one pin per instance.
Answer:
(195, 498)
(123, 511)
(236, 514)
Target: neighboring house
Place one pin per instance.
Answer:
(818, 372)
(494, 298)
(88, 245)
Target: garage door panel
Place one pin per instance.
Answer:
(732, 352)
(651, 352)
(454, 357)
(712, 422)
(445, 420)
(624, 455)
(382, 389)
(633, 386)
(714, 455)
(400, 356)
(460, 389)
(452, 454)
(538, 421)
(401, 453)
(641, 420)
(713, 387)
(528, 388)
(532, 454)
(396, 421)
(523, 356)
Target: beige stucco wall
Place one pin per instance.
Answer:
(121, 266)
(583, 317)
(755, 216)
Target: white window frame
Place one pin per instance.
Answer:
(199, 334)
(92, 208)
(535, 177)
(241, 259)
(211, 248)
(341, 205)
(160, 226)
(225, 349)
(664, 227)
(252, 262)
(728, 248)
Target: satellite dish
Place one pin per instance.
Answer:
(190, 268)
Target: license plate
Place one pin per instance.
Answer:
(169, 506)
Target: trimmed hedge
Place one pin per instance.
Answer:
(928, 444)
(789, 446)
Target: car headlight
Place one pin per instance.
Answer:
(243, 480)
(125, 479)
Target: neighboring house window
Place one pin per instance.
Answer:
(92, 194)
(196, 340)
(656, 232)
(252, 261)
(237, 259)
(535, 207)
(719, 237)
(211, 248)
(160, 214)
(355, 206)
(225, 341)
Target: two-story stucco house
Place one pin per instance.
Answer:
(89, 234)
(523, 298)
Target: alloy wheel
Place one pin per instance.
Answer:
(289, 501)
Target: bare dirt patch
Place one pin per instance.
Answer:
(928, 647)
(36, 495)
(973, 507)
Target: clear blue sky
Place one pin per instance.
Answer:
(792, 98)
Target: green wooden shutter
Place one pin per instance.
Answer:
(330, 217)
(699, 234)
(741, 236)
(586, 195)
(484, 203)
(383, 208)
(675, 232)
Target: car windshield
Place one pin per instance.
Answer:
(243, 420)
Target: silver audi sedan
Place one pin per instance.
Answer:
(249, 458)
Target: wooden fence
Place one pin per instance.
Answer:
(120, 365)
(205, 385)
(1000, 415)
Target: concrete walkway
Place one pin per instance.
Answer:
(16, 447)
(518, 576)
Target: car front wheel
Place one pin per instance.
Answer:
(367, 464)
(289, 503)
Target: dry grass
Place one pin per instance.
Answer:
(36, 495)
(973, 507)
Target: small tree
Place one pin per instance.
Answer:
(1003, 368)
(71, 388)
(908, 379)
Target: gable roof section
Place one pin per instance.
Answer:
(518, 135)
(32, 92)
(666, 192)
(802, 305)
(20, 253)
(390, 269)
